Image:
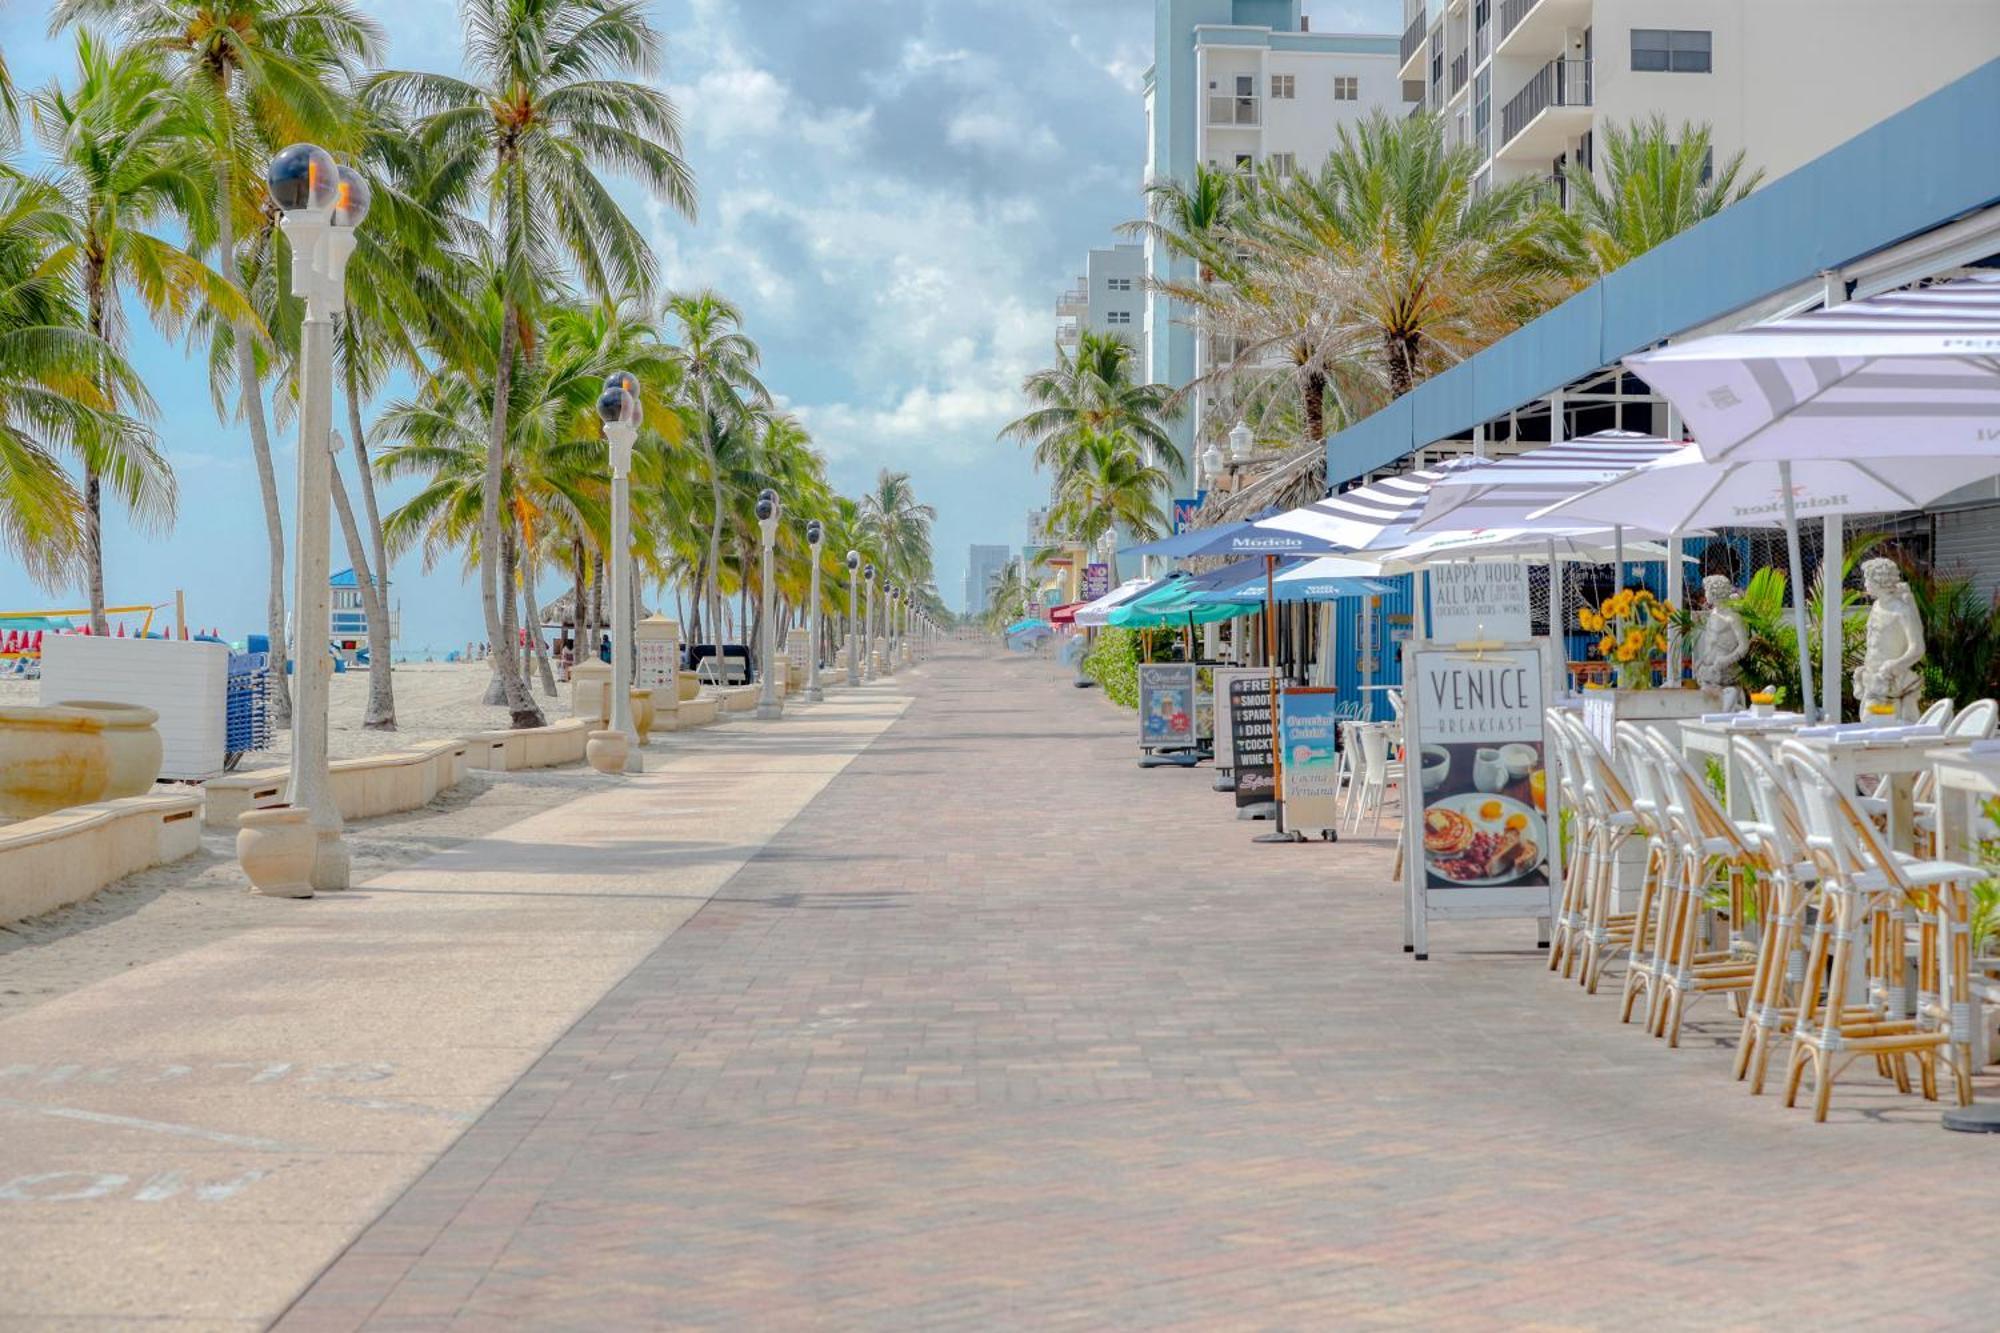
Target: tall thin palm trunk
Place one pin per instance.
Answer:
(357, 555)
(714, 522)
(93, 482)
(496, 572)
(380, 714)
(250, 393)
(531, 613)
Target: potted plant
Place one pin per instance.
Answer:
(1634, 626)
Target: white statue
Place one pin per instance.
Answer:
(1887, 674)
(1722, 643)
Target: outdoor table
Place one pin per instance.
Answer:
(1709, 737)
(1964, 782)
(1899, 759)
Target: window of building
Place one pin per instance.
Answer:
(1284, 164)
(1283, 87)
(1117, 317)
(1245, 162)
(1118, 284)
(1672, 50)
(1346, 88)
(1246, 85)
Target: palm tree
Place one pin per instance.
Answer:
(54, 375)
(124, 153)
(1192, 219)
(1418, 266)
(717, 364)
(898, 526)
(1090, 393)
(540, 118)
(1009, 594)
(1111, 486)
(261, 74)
(1656, 185)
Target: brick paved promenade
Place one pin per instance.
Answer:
(1003, 1032)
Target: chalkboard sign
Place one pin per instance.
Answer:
(1250, 740)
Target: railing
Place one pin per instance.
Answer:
(1511, 14)
(1413, 38)
(1460, 69)
(1558, 83)
(1225, 110)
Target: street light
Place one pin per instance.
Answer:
(853, 639)
(1211, 462)
(768, 706)
(620, 409)
(815, 534)
(868, 626)
(323, 203)
(1241, 443)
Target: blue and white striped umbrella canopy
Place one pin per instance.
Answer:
(1903, 373)
(1501, 493)
(1377, 516)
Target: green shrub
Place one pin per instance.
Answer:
(1113, 662)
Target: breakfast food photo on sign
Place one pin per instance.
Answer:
(1484, 821)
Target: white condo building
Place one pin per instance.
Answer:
(1239, 84)
(1530, 82)
(1110, 297)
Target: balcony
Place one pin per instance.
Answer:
(1413, 44)
(1538, 27)
(1075, 301)
(1552, 109)
(1234, 111)
(1461, 69)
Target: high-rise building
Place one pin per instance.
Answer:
(1531, 83)
(1110, 297)
(1241, 84)
(982, 565)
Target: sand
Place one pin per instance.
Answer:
(177, 907)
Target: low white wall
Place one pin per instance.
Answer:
(62, 858)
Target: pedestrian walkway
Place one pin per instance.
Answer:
(1004, 1032)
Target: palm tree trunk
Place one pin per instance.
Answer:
(531, 615)
(1399, 354)
(381, 712)
(715, 520)
(93, 482)
(577, 580)
(250, 391)
(496, 594)
(371, 600)
(1315, 406)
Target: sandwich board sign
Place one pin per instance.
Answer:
(1250, 739)
(1225, 751)
(1166, 706)
(1480, 841)
(1308, 732)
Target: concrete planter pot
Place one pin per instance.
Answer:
(275, 847)
(687, 685)
(132, 741)
(607, 751)
(51, 759)
(643, 715)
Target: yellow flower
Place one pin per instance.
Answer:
(1606, 644)
(1626, 654)
(1634, 637)
(1590, 619)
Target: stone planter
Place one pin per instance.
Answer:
(643, 715)
(589, 690)
(132, 742)
(1664, 709)
(687, 686)
(51, 759)
(607, 751)
(275, 846)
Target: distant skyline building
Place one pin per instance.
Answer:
(983, 564)
(1110, 297)
(1240, 84)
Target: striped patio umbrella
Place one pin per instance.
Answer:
(1503, 492)
(1378, 515)
(1903, 373)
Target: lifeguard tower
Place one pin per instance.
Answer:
(349, 623)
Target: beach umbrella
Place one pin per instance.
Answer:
(1245, 537)
(1686, 490)
(1092, 613)
(1502, 492)
(1905, 373)
(1380, 514)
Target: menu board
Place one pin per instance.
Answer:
(1479, 601)
(1250, 739)
(1481, 841)
(1308, 736)
(657, 662)
(1225, 753)
(1166, 706)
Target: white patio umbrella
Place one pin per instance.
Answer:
(1093, 613)
(1590, 545)
(1502, 492)
(1379, 514)
(1905, 373)
(1684, 491)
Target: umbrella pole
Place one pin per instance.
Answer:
(1271, 668)
(1618, 558)
(1832, 582)
(1806, 702)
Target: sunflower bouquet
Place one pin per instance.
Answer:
(1634, 626)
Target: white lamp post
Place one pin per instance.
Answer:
(868, 626)
(854, 646)
(1241, 443)
(620, 408)
(768, 706)
(894, 597)
(323, 203)
(1211, 463)
(815, 534)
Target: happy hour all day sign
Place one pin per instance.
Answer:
(1482, 601)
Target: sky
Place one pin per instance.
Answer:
(895, 191)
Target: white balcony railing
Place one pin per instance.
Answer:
(1226, 111)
